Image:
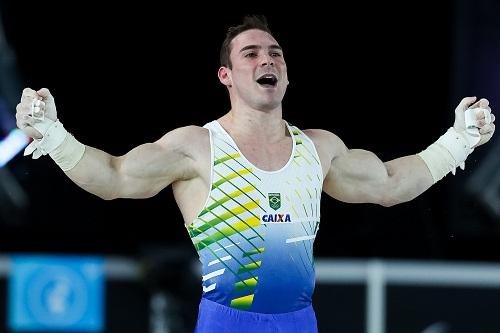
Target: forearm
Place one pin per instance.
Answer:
(407, 178)
(440, 158)
(360, 176)
(96, 173)
(91, 169)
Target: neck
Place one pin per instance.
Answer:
(266, 126)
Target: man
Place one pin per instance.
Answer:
(249, 184)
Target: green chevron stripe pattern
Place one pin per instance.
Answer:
(256, 251)
(229, 232)
(231, 196)
(239, 173)
(246, 285)
(242, 303)
(226, 158)
(195, 231)
(249, 267)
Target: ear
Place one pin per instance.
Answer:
(224, 74)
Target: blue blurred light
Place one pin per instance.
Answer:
(12, 145)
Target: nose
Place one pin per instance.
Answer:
(267, 60)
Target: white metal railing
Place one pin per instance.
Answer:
(376, 274)
(116, 268)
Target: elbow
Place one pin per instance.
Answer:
(392, 197)
(108, 192)
(391, 202)
(106, 196)
(396, 199)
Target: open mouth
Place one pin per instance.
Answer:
(268, 80)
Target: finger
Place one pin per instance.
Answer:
(28, 94)
(465, 102)
(483, 103)
(28, 91)
(482, 114)
(481, 108)
(20, 107)
(20, 115)
(25, 121)
(23, 108)
(30, 98)
(492, 117)
(45, 94)
(487, 129)
(28, 121)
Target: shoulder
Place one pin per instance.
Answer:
(181, 135)
(190, 140)
(328, 145)
(326, 142)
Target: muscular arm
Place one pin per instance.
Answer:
(142, 172)
(360, 176)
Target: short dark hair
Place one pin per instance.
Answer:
(249, 22)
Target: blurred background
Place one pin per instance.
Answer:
(385, 78)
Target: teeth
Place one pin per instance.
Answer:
(268, 76)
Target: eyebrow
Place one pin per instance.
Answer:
(252, 47)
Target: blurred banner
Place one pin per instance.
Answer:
(48, 293)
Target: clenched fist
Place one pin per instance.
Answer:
(486, 129)
(26, 118)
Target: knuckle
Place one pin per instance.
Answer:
(27, 92)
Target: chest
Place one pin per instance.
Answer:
(266, 156)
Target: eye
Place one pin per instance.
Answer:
(276, 54)
(250, 55)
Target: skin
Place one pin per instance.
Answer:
(181, 158)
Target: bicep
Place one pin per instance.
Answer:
(147, 169)
(350, 175)
(356, 176)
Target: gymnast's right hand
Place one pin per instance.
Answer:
(25, 120)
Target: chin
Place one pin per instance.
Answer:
(268, 106)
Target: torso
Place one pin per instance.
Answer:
(190, 195)
(259, 221)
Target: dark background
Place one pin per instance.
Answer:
(385, 78)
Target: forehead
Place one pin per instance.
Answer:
(252, 37)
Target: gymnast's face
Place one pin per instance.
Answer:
(258, 77)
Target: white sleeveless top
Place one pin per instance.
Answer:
(255, 233)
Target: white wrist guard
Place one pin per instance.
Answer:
(53, 134)
(64, 149)
(446, 154)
